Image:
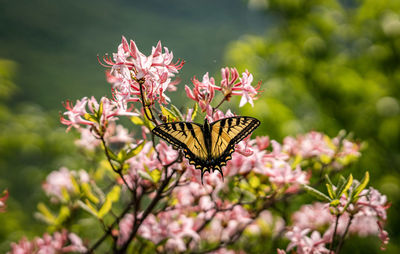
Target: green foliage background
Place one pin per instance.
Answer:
(328, 65)
(325, 65)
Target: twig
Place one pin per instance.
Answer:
(334, 233)
(108, 231)
(344, 234)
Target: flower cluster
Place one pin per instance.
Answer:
(63, 183)
(59, 242)
(365, 217)
(134, 75)
(231, 84)
(100, 113)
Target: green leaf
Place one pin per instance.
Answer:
(177, 113)
(328, 179)
(111, 197)
(106, 207)
(347, 186)
(145, 175)
(90, 117)
(331, 193)
(155, 175)
(65, 194)
(135, 151)
(92, 209)
(121, 157)
(334, 203)
(137, 120)
(110, 153)
(171, 117)
(316, 193)
(63, 215)
(88, 209)
(254, 181)
(297, 160)
(114, 194)
(87, 191)
(148, 124)
(361, 187)
(194, 113)
(340, 185)
(46, 212)
(100, 112)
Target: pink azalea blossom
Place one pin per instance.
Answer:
(281, 174)
(61, 180)
(203, 92)
(314, 216)
(170, 225)
(125, 228)
(3, 200)
(87, 140)
(308, 145)
(226, 223)
(131, 69)
(77, 115)
(305, 244)
(59, 242)
(231, 84)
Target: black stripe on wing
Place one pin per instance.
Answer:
(168, 131)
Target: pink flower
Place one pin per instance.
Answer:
(125, 229)
(226, 223)
(116, 133)
(171, 225)
(61, 180)
(203, 92)
(282, 174)
(3, 200)
(75, 114)
(131, 69)
(248, 91)
(60, 242)
(78, 114)
(87, 140)
(56, 181)
(308, 145)
(306, 244)
(313, 216)
(231, 84)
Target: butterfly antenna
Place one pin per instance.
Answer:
(202, 173)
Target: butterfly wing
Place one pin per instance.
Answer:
(226, 133)
(187, 136)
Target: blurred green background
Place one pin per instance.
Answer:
(325, 65)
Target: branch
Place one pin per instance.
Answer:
(109, 230)
(150, 207)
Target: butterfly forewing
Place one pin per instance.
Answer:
(227, 132)
(184, 135)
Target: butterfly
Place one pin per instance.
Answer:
(208, 146)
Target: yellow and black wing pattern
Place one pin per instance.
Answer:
(208, 146)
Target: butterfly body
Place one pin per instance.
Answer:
(208, 146)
